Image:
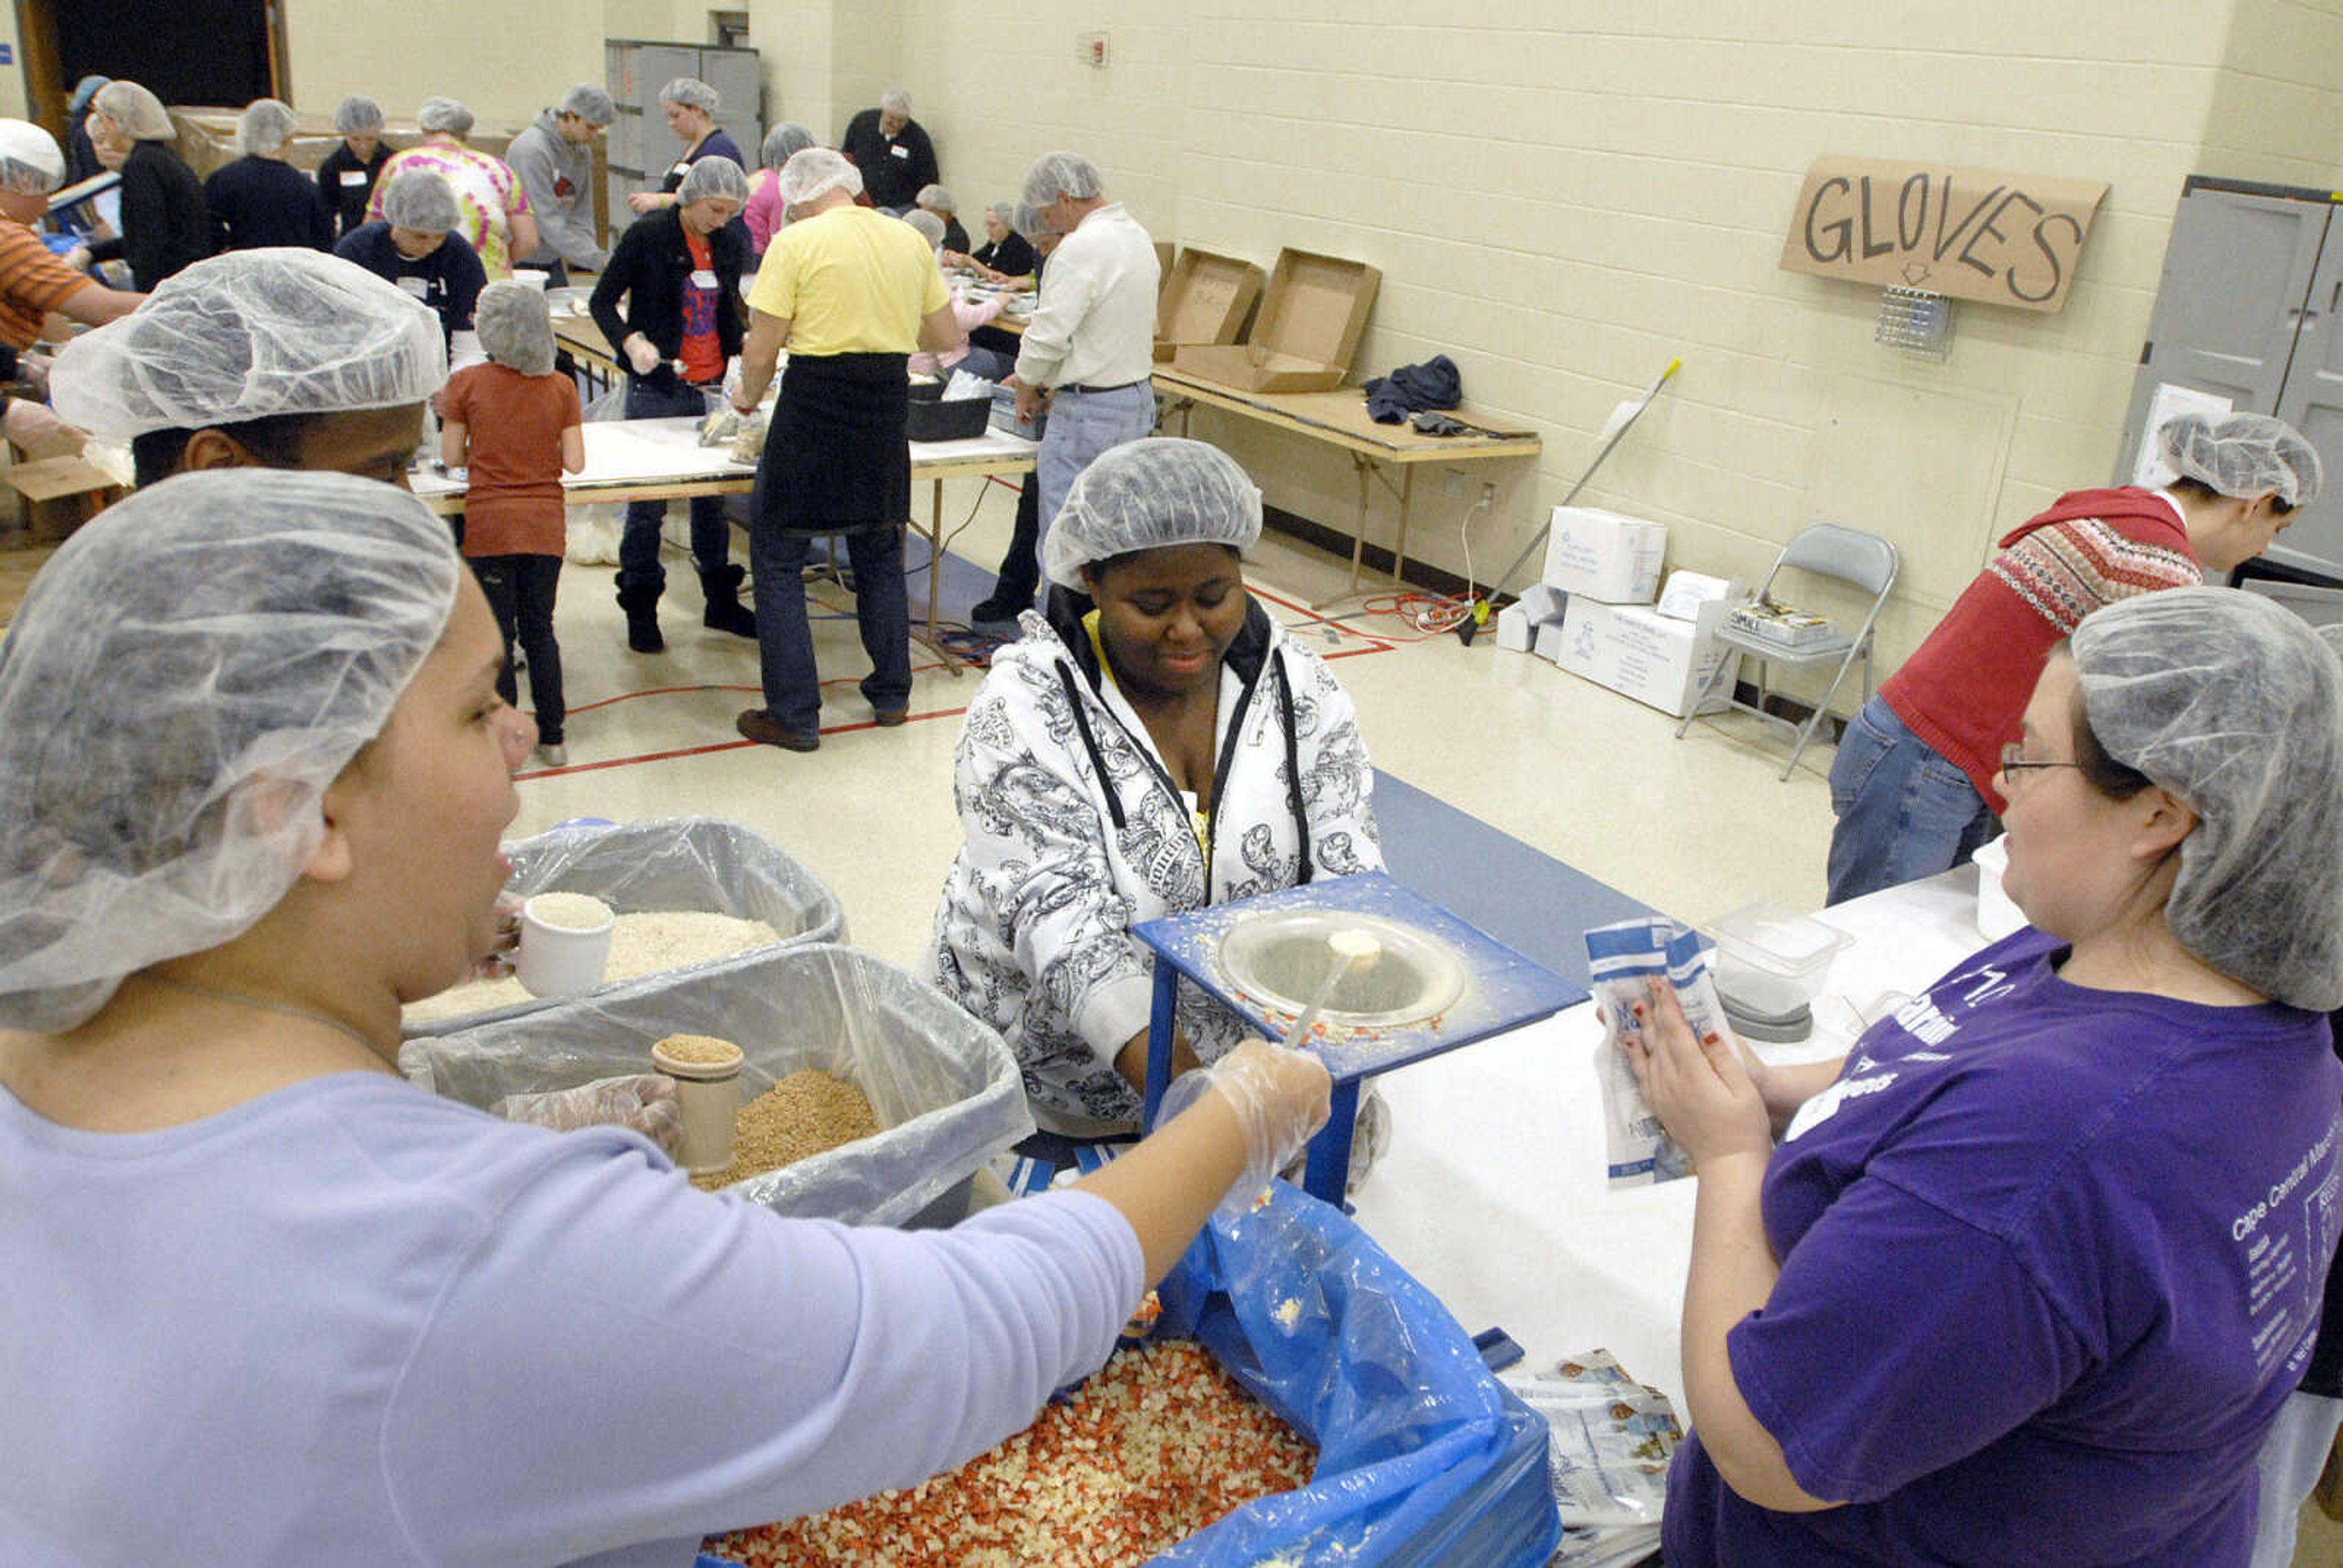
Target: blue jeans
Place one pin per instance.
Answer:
(638, 546)
(882, 610)
(1904, 812)
(1082, 425)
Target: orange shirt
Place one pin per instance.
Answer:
(514, 422)
(703, 295)
(33, 282)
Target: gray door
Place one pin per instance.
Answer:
(2236, 275)
(2312, 402)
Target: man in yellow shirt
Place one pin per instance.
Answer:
(850, 293)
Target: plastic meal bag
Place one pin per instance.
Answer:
(1609, 1441)
(1621, 958)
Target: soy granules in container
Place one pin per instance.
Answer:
(807, 1113)
(1158, 1444)
(647, 943)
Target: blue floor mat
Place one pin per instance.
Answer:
(1524, 898)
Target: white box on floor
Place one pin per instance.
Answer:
(1594, 554)
(1645, 655)
(1514, 628)
(1540, 602)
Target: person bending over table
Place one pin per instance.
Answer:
(32, 280)
(554, 161)
(165, 222)
(1006, 256)
(1912, 783)
(253, 774)
(260, 199)
(347, 174)
(689, 105)
(935, 199)
(1154, 745)
(2030, 1274)
(678, 269)
(260, 358)
(765, 214)
(415, 246)
(496, 220)
(850, 292)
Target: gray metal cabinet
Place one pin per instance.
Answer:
(642, 149)
(2246, 308)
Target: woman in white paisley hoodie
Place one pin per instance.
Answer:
(1153, 746)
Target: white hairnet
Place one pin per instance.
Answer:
(516, 327)
(935, 198)
(1147, 494)
(445, 114)
(816, 172)
(782, 142)
(930, 225)
(186, 678)
(139, 113)
(84, 91)
(248, 334)
(1006, 211)
(693, 93)
(2242, 455)
(265, 126)
(2234, 704)
(422, 200)
(1053, 175)
(358, 115)
(589, 102)
(1029, 222)
(896, 101)
(716, 178)
(30, 162)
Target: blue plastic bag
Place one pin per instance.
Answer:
(1424, 1457)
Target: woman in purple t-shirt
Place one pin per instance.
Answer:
(2032, 1269)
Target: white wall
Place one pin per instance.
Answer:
(505, 60)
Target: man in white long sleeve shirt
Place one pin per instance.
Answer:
(1091, 341)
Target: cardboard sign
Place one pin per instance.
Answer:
(1972, 234)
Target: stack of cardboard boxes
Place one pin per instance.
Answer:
(1593, 612)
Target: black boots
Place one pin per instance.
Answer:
(725, 610)
(641, 605)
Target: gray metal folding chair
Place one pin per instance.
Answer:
(1825, 550)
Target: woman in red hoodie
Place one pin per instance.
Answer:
(1912, 783)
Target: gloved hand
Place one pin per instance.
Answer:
(641, 353)
(1280, 1097)
(33, 370)
(77, 258)
(643, 1103)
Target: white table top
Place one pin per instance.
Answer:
(1493, 1190)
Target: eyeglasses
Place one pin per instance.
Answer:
(2014, 760)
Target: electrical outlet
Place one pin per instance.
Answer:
(1454, 478)
(1093, 49)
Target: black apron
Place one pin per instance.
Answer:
(837, 459)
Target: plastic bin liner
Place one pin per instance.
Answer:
(945, 1088)
(697, 863)
(1424, 1457)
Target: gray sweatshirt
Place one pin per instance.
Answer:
(559, 178)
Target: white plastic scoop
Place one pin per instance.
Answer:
(1355, 949)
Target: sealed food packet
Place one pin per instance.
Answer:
(1610, 1440)
(1637, 1151)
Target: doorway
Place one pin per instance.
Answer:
(224, 53)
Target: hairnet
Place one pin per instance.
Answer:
(516, 327)
(186, 678)
(2234, 704)
(815, 173)
(935, 198)
(1145, 496)
(444, 115)
(2242, 455)
(590, 103)
(1005, 211)
(421, 199)
(30, 163)
(358, 115)
(715, 177)
(265, 126)
(894, 100)
(248, 334)
(1029, 222)
(782, 141)
(929, 225)
(693, 93)
(84, 91)
(1053, 175)
(139, 113)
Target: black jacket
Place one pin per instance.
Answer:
(891, 181)
(260, 202)
(649, 266)
(165, 221)
(350, 201)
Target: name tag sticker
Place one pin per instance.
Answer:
(703, 278)
(354, 176)
(417, 286)
(683, 169)
(898, 151)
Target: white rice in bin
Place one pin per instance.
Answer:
(640, 944)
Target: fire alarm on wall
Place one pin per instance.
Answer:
(1093, 50)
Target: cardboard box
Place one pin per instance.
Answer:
(1205, 300)
(1312, 318)
(1642, 654)
(1594, 554)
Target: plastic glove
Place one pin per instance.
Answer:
(641, 353)
(33, 370)
(1281, 1098)
(642, 1102)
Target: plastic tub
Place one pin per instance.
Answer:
(685, 863)
(1770, 960)
(946, 1089)
(1996, 916)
